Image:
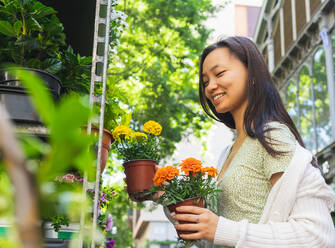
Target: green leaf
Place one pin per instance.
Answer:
(34, 63)
(44, 11)
(33, 24)
(17, 27)
(52, 66)
(33, 147)
(7, 29)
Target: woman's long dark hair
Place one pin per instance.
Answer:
(264, 102)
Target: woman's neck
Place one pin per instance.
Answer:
(238, 116)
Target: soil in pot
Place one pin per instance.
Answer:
(196, 201)
(139, 177)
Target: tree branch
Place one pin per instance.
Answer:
(27, 213)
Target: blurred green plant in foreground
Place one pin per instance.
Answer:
(67, 147)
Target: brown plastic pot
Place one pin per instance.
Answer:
(107, 140)
(189, 202)
(139, 176)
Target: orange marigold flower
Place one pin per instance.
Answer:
(166, 173)
(210, 170)
(160, 177)
(171, 172)
(191, 165)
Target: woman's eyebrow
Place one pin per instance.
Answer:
(215, 66)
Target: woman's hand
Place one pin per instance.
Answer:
(205, 222)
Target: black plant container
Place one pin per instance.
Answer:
(15, 99)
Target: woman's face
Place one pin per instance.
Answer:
(225, 81)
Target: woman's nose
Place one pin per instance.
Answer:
(212, 85)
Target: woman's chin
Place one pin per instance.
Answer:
(221, 110)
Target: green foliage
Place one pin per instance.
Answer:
(6, 194)
(67, 148)
(130, 145)
(64, 122)
(183, 187)
(30, 35)
(75, 73)
(144, 148)
(156, 65)
(118, 205)
(58, 221)
(115, 113)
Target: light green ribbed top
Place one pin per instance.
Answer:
(246, 183)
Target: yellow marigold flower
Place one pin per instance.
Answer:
(152, 127)
(139, 136)
(210, 170)
(191, 165)
(122, 130)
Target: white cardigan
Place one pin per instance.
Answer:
(296, 214)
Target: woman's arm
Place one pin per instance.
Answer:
(309, 223)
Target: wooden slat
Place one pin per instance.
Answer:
(277, 48)
(300, 12)
(314, 5)
(288, 24)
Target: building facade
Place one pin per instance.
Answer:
(297, 39)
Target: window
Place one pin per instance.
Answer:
(307, 103)
(306, 109)
(291, 102)
(323, 122)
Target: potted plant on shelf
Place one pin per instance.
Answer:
(140, 152)
(31, 37)
(188, 184)
(56, 222)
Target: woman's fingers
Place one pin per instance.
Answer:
(187, 227)
(191, 209)
(204, 222)
(191, 236)
(187, 217)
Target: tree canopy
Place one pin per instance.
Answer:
(156, 65)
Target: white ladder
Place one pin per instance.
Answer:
(97, 62)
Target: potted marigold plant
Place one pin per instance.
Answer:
(140, 152)
(189, 183)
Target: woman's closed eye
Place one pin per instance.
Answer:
(220, 73)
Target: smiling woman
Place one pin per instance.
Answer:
(225, 81)
(273, 193)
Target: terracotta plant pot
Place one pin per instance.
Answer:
(189, 202)
(139, 177)
(107, 140)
